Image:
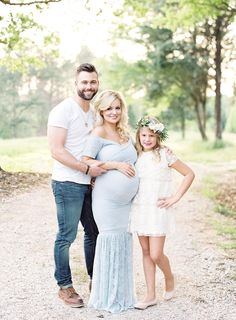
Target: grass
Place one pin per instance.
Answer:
(225, 225)
(225, 228)
(32, 154)
(208, 187)
(225, 211)
(27, 155)
(193, 149)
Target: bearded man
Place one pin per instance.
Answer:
(69, 125)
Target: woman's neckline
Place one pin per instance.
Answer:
(121, 144)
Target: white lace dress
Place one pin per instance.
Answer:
(155, 182)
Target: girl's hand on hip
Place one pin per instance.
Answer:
(166, 202)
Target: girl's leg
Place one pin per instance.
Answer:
(149, 269)
(160, 259)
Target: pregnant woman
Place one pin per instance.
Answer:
(110, 143)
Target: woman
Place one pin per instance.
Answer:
(112, 287)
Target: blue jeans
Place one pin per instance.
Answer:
(73, 202)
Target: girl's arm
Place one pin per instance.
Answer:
(124, 167)
(188, 174)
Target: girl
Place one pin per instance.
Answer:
(151, 217)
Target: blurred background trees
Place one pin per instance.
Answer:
(187, 46)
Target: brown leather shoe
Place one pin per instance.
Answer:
(71, 297)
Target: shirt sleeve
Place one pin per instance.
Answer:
(93, 146)
(58, 117)
(170, 156)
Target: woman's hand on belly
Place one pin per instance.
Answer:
(126, 168)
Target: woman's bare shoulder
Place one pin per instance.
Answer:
(99, 131)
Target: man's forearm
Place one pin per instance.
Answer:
(66, 158)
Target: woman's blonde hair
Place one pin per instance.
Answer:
(144, 123)
(103, 102)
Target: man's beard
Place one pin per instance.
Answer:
(82, 94)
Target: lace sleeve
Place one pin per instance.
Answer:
(170, 156)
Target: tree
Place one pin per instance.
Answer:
(231, 121)
(210, 17)
(27, 99)
(15, 38)
(171, 63)
(10, 118)
(177, 64)
(22, 55)
(27, 3)
(221, 13)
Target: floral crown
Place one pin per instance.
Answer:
(152, 124)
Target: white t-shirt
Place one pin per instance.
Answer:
(69, 115)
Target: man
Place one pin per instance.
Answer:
(69, 125)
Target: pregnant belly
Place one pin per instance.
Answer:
(116, 186)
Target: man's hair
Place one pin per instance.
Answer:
(87, 67)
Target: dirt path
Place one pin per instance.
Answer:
(205, 289)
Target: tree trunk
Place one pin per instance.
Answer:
(199, 121)
(218, 60)
(203, 103)
(183, 124)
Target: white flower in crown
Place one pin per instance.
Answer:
(156, 127)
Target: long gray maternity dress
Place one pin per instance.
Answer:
(112, 287)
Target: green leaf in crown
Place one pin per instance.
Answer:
(154, 125)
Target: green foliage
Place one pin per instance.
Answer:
(231, 120)
(180, 48)
(226, 228)
(208, 187)
(9, 120)
(218, 144)
(150, 122)
(191, 12)
(16, 154)
(225, 223)
(27, 155)
(23, 41)
(29, 96)
(134, 113)
(225, 211)
(194, 150)
(171, 63)
(18, 23)
(27, 99)
(38, 3)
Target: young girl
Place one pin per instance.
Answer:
(151, 217)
